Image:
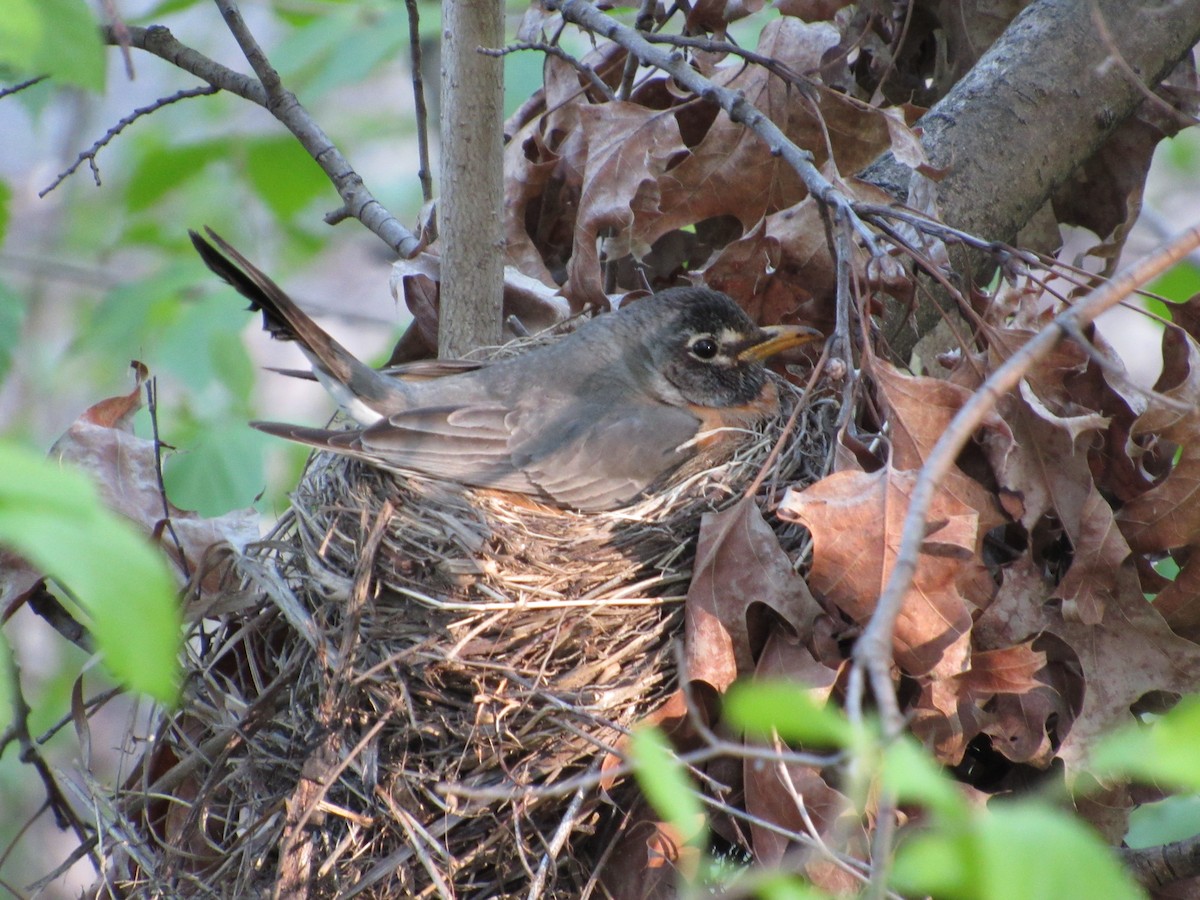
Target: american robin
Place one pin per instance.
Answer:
(589, 421)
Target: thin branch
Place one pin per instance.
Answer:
(425, 172)
(121, 31)
(284, 106)
(873, 650)
(735, 105)
(556, 51)
(17, 88)
(152, 409)
(1118, 59)
(64, 815)
(89, 155)
(158, 41)
(643, 23)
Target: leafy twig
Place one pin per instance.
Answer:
(89, 155)
(873, 650)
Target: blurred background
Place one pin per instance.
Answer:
(95, 275)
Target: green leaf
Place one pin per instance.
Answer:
(666, 784)
(1179, 283)
(59, 38)
(52, 516)
(1169, 820)
(5, 200)
(163, 168)
(787, 887)
(911, 772)
(22, 30)
(763, 708)
(1017, 849)
(1163, 752)
(218, 468)
(12, 318)
(284, 175)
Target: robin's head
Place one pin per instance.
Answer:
(707, 348)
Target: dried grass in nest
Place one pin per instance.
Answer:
(399, 648)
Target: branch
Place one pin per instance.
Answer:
(89, 155)
(471, 208)
(873, 650)
(158, 41)
(556, 51)
(17, 88)
(1028, 114)
(1156, 867)
(424, 173)
(357, 199)
(283, 105)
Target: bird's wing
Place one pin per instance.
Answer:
(601, 456)
(466, 443)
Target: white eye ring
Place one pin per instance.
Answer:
(704, 348)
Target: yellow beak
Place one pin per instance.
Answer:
(780, 338)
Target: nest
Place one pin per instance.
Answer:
(386, 697)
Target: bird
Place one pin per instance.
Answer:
(589, 422)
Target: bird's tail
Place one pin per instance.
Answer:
(363, 392)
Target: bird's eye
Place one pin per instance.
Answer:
(705, 348)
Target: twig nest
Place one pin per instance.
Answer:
(416, 667)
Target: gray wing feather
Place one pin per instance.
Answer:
(602, 457)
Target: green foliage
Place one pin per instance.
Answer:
(12, 315)
(666, 785)
(1162, 753)
(52, 516)
(5, 202)
(766, 708)
(1018, 849)
(58, 38)
(1022, 848)
(1168, 820)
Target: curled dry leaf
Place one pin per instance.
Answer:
(739, 565)
(122, 466)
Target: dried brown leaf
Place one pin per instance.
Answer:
(856, 519)
(629, 149)
(1168, 515)
(122, 466)
(739, 566)
(919, 410)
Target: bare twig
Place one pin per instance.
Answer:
(284, 106)
(17, 88)
(873, 650)
(18, 730)
(1117, 58)
(424, 173)
(735, 105)
(89, 155)
(643, 23)
(121, 31)
(556, 51)
(159, 42)
(152, 408)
